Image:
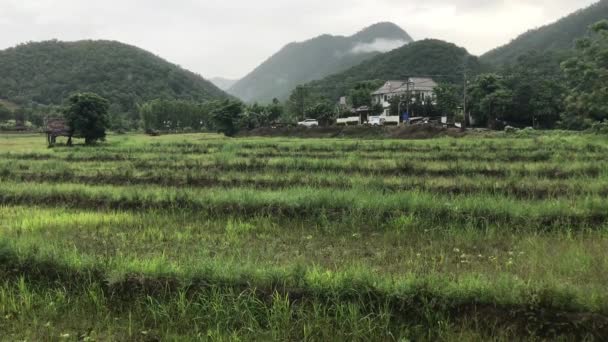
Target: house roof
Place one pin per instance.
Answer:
(423, 83)
(389, 87)
(415, 84)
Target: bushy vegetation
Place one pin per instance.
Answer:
(202, 237)
(227, 116)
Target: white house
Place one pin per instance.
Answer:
(415, 86)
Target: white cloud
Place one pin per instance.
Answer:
(230, 38)
(378, 45)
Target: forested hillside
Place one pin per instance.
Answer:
(441, 60)
(298, 63)
(47, 72)
(558, 37)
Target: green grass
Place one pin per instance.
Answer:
(201, 237)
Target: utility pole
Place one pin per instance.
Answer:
(409, 96)
(464, 101)
(399, 108)
(464, 92)
(302, 96)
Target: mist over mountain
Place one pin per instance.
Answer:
(298, 63)
(558, 37)
(223, 83)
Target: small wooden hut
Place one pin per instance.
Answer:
(57, 127)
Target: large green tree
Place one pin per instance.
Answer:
(322, 111)
(87, 116)
(298, 102)
(361, 94)
(490, 99)
(226, 116)
(587, 75)
(536, 82)
(448, 98)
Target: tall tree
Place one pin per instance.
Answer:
(322, 111)
(449, 98)
(226, 117)
(298, 102)
(87, 116)
(587, 75)
(361, 94)
(275, 110)
(536, 81)
(490, 99)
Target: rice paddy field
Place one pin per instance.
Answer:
(201, 237)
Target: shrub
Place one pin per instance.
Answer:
(600, 127)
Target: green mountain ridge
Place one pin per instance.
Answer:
(48, 72)
(438, 59)
(298, 63)
(558, 37)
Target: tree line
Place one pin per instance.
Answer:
(227, 116)
(548, 90)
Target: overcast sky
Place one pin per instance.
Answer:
(230, 37)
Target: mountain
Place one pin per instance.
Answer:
(433, 58)
(223, 83)
(558, 37)
(298, 63)
(48, 72)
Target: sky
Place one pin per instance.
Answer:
(230, 38)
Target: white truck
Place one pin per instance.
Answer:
(376, 121)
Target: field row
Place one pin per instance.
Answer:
(319, 204)
(404, 168)
(188, 145)
(517, 187)
(420, 156)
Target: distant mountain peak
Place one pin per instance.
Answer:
(382, 30)
(313, 59)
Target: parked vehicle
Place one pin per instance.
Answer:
(376, 121)
(353, 120)
(309, 123)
